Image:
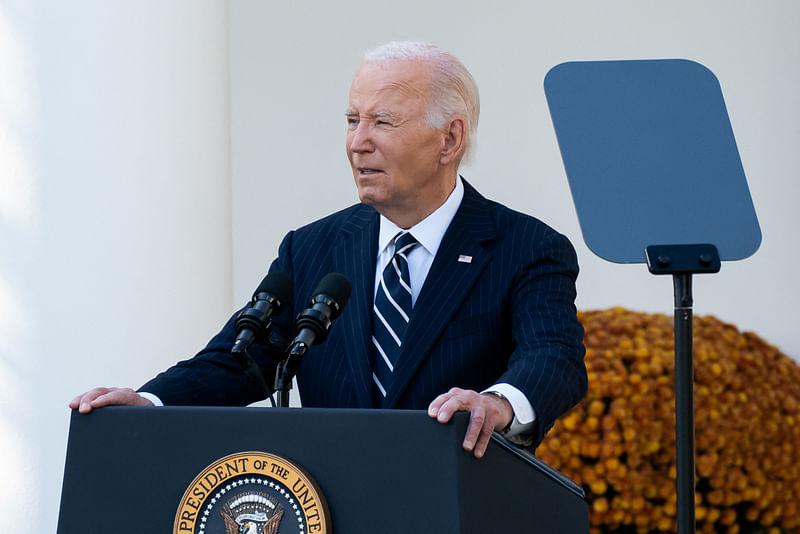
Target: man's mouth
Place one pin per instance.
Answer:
(368, 170)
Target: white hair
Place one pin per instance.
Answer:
(453, 90)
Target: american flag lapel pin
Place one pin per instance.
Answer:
(463, 258)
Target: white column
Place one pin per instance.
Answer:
(115, 219)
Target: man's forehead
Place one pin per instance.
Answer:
(389, 82)
(397, 68)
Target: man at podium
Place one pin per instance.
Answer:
(459, 303)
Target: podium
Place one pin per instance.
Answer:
(130, 470)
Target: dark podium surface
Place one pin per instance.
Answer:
(381, 471)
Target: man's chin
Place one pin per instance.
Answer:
(371, 196)
(369, 201)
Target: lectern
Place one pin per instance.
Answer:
(287, 470)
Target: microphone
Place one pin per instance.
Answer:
(253, 323)
(314, 323)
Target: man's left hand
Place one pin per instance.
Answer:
(487, 413)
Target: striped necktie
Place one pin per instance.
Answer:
(390, 315)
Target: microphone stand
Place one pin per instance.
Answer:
(284, 373)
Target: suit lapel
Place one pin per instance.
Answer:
(354, 257)
(448, 282)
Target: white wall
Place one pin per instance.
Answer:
(115, 249)
(291, 66)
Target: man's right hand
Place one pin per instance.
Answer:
(99, 397)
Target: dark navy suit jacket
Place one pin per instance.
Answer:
(507, 315)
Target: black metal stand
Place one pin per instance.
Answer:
(284, 374)
(684, 403)
(681, 261)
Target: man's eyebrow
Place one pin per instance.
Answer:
(376, 115)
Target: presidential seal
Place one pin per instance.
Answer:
(252, 493)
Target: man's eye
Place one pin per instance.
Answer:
(382, 123)
(351, 122)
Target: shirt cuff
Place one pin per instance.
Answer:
(524, 414)
(152, 398)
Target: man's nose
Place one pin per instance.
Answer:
(360, 139)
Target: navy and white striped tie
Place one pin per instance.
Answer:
(390, 314)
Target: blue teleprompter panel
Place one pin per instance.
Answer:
(651, 158)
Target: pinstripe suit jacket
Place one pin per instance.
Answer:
(507, 316)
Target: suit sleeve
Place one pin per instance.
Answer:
(546, 362)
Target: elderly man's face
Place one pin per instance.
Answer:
(394, 154)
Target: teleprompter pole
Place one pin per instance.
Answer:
(684, 404)
(681, 261)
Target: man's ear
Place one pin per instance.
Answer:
(454, 141)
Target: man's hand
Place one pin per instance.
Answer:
(99, 397)
(487, 413)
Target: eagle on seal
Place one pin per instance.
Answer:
(252, 513)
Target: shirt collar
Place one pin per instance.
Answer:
(430, 230)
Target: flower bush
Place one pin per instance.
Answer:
(619, 442)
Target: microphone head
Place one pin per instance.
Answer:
(277, 284)
(336, 287)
